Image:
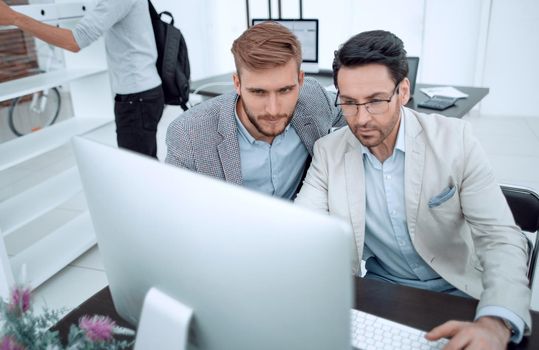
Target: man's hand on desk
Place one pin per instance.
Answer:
(485, 333)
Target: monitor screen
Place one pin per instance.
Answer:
(306, 30)
(258, 272)
(413, 64)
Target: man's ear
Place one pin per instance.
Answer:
(404, 91)
(237, 83)
(301, 77)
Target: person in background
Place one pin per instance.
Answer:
(131, 56)
(261, 136)
(420, 196)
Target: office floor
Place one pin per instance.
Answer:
(511, 143)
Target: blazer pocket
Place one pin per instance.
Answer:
(442, 197)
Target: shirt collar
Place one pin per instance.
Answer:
(401, 142)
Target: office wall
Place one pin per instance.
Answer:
(210, 26)
(489, 43)
(355, 15)
(191, 17)
(511, 67)
(452, 41)
(348, 17)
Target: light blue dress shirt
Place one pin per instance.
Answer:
(276, 168)
(389, 252)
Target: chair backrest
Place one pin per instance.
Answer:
(524, 204)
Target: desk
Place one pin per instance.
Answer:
(418, 308)
(210, 88)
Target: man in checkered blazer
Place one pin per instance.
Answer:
(261, 136)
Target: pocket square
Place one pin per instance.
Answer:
(442, 197)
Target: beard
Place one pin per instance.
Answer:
(371, 135)
(275, 124)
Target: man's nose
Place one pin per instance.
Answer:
(362, 116)
(272, 104)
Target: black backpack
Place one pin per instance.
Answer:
(172, 59)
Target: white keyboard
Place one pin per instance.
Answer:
(373, 332)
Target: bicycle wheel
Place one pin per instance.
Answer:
(33, 112)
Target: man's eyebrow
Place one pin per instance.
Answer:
(255, 89)
(288, 87)
(371, 96)
(278, 89)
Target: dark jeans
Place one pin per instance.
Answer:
(137, 116)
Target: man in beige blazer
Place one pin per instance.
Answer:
(420, 196)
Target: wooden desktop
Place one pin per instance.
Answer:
(417, 308)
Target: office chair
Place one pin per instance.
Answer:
(524, 204)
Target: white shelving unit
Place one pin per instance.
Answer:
(34, 83)
(92, 105)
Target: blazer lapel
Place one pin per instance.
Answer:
(414, 164)
(355, 192)
(305, 127)
(229, 148)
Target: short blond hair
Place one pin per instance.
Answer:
(266, 45)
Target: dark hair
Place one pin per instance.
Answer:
(377, 46)
(266, 45)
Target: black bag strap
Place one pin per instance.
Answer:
(170, 52)
(168, 14)
(153, 12)
(170, 57)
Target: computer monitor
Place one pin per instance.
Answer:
(413, 64)
(259, 272)
(306, 30)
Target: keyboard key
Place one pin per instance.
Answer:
(373, 332)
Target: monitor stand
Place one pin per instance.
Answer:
(164, 323)
(310, 67)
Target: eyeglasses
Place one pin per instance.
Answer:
(377, 106)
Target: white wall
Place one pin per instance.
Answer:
(209, 28)
(511, 68)
(191, 17)
(228, 21)
(356, 15)
(451, 41)
(492, 43)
